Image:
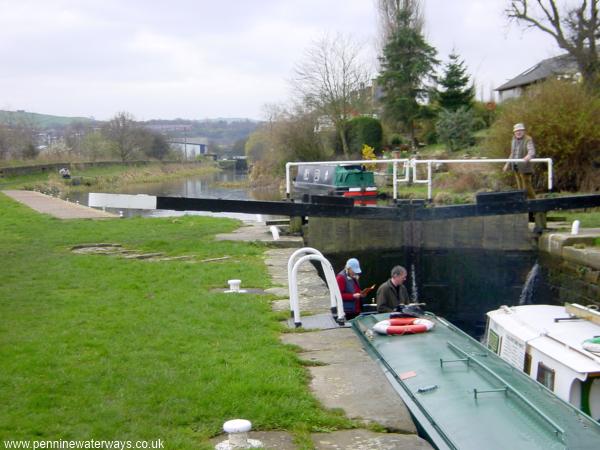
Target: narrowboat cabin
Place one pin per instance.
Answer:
(351, 181)
(559, 346)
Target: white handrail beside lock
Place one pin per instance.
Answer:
(292, 259)
(415, 162)
(337, 307)
(410, 165)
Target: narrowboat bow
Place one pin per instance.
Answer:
(464, 396)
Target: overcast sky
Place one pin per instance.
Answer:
(200, 59)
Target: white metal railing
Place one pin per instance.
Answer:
(290, 265)
(430, 162)
(410, 165)
(311, 254)
(404, 161)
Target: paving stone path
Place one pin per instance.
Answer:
(56, 207)
(344, 376)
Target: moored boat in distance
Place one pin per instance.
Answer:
(556, 345)
(351, 181)
(464, 396)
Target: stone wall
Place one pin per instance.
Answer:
(573, 267)
(334, 235)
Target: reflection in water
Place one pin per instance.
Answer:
(414, 290)
(460, 285)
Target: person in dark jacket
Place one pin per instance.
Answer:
(393, 293)
(347, 281)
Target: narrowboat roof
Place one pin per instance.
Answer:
(466, 397)
(344, 166)
(561, 340)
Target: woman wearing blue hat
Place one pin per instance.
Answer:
(347, 281)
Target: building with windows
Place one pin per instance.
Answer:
(558, 67)
(191, 148)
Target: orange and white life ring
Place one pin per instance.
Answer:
(403, 325)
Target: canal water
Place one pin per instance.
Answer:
(228, 185)
(460, 285)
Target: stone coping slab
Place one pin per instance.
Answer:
(57, 207)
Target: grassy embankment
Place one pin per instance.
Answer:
(107, 178)
(101, 347)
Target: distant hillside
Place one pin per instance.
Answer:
(222, 131)
(36, 120)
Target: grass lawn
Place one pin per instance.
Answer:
(589, 218)
(100, 347)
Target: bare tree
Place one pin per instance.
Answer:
(388, 11)
(575, 30)
(334, 81)
(4, 142)
(74, 134)
(120, 130)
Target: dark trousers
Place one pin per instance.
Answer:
(524, 183)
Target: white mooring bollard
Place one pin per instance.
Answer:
(575, 227)
(237, 431)
(274, 232)
(234, 285)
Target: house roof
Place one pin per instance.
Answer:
(557, 65)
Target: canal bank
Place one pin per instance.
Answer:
(56, 207)
(342, 375)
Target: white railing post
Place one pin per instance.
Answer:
(429, 181)
(290, 266)
(395, 179)
(550, 174)
(288, 181)
(335, 296)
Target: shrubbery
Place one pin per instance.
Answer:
(562, 118)
(364, 130)
(455, 128)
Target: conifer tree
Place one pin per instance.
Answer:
(457, 91)
(407, 62)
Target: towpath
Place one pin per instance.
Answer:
(56, 207)
(342, 375)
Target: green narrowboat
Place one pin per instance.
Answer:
(351, 181)
(464, 396)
